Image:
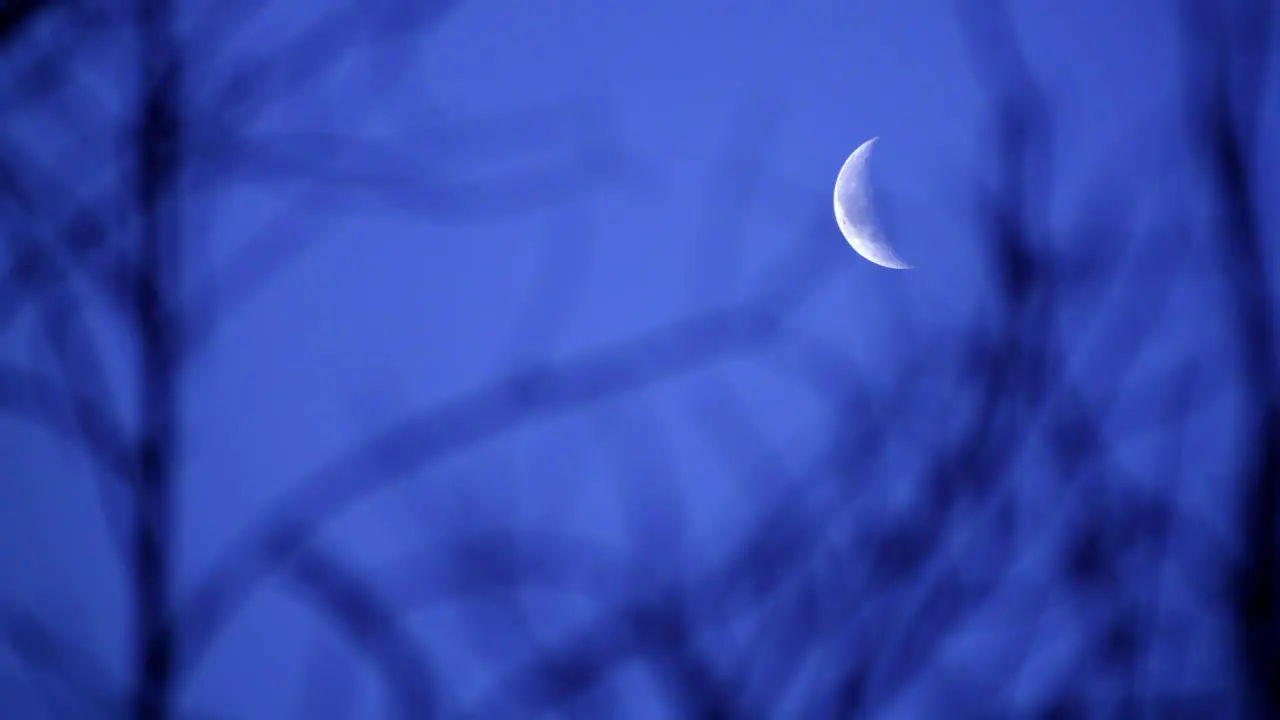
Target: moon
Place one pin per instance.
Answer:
(854, 214)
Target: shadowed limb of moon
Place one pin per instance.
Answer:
(854, 214)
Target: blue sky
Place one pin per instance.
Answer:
(578, 174)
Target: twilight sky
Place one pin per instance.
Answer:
(542, 183)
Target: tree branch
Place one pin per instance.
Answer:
(370, 623)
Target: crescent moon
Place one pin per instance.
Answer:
(854, 215)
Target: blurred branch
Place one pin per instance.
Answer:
(921, 575)
(77, 244)
(301, 59)
(37, 77)
(1023, 126)
(430, 435)
(55, 656)
(156, 146)
(1024, 390)
(658, 632)
(35, 398)
(757, 567)
(1228, 50)
(16, 15)
(377, 171)
(370, 623)
(484, 414)
(71, 401)
(482, 563)
(381, 171)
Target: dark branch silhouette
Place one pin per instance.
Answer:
(983, 489)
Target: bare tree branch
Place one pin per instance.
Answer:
(371, 624)
(37, 399)
(61, 658)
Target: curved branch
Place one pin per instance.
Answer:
(52, 654)
(286, 527)
(34, 398)
(370, 623)
(510, 403)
